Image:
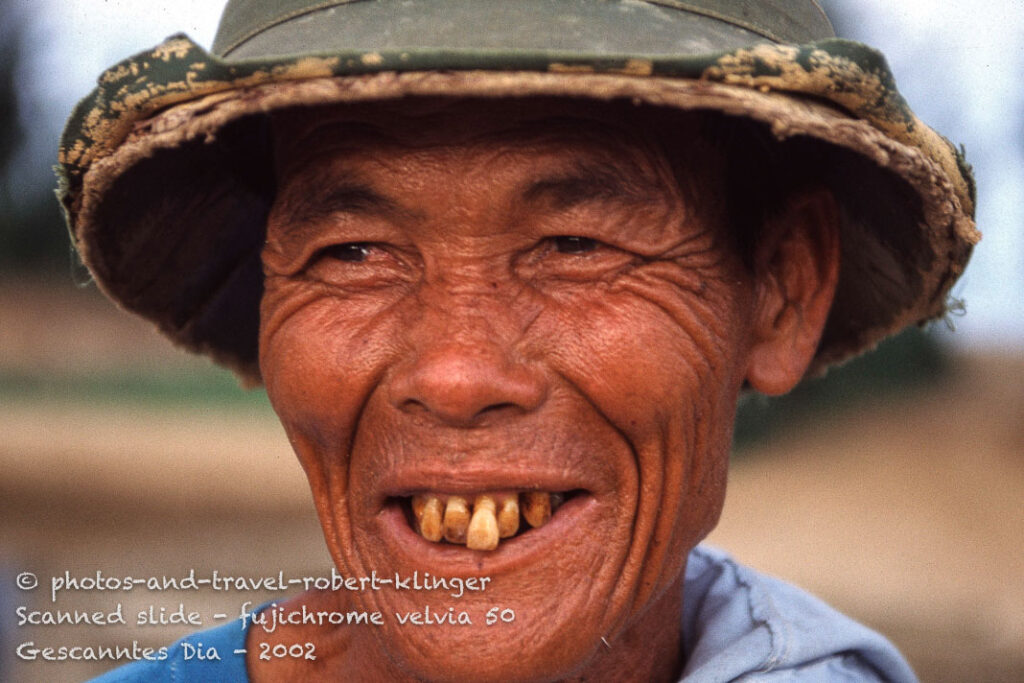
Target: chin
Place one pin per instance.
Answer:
(552, 592)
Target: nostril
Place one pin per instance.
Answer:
(465, 388)
(499, 407)
(453, 410)
(416, 407)
(412, 406)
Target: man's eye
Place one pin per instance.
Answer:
(359, 265)
(352, 252)
(571, 244)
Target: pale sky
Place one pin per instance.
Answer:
(959, 63)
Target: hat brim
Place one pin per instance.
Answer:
(168, 215)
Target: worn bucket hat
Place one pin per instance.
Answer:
(164, 166)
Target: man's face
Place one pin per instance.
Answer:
(502, 300)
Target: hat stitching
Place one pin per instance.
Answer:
(266, 26)
(687, 7)
(824, 15)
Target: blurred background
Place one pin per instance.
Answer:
(893, 488)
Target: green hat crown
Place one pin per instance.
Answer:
(251, 28)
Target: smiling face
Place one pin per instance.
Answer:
(505, 300)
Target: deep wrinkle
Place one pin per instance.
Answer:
(491, 360)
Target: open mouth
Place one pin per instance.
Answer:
(481, 521)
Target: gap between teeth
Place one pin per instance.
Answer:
(480, 522)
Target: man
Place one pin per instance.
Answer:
(504, 269)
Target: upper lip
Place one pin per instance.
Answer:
(524, 459)
(465, 481)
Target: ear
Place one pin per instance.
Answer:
(797, 267)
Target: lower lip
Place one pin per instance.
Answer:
(579, 512)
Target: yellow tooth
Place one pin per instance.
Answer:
(508, 516)
(483, 528)
(536, 508)
(456, 520)
(427, 510)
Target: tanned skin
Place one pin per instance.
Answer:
(477, 297)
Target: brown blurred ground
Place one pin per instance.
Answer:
(907, 514)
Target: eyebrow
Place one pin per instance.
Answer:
(585, 182)
(350, 197)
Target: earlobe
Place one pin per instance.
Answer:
(797, 268)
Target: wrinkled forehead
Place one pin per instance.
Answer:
(649, 144)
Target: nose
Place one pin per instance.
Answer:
(468, 378)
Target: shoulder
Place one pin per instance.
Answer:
(204, 656)
(740, 624)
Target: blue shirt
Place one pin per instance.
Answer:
(737, 624)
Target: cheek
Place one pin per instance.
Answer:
(660, 355)
(321, 357)
(319, 361)
(660, 346)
